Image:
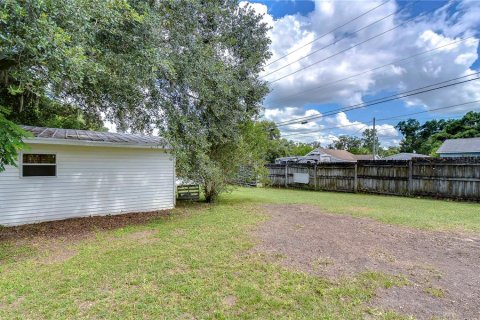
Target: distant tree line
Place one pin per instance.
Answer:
(423, 138)
(362, 145)
(271, 145)
(427, 138)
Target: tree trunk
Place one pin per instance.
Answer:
(210, 191)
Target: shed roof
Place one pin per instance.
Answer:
(363, 156)
(406, 156)
(73, 136)
(288, 158)
(465, 145)
(339, 154)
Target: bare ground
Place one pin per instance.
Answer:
(443, 267)
(55, 240)
(78, 227)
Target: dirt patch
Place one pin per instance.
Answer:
(143, 237)
(54, 251)
(55, 241)
(441, 266)
(78, 227)
(229, 301)
(179, 232)
(85, 305)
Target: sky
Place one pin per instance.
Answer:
(313, 70)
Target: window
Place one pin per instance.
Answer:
(39, 165)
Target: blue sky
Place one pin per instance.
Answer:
(281, 8)
(296, 23)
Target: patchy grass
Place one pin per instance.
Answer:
(196, 263)
(435, 292)
(412, 212)
(10, 252)
(376, 313)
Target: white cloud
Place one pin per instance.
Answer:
(321, 128)
(349, 126)
(386, 131)
(424, 33)
(280, 115)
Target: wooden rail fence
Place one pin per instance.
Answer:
(188, 192)
(457, 178)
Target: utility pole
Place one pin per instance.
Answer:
(374, 140)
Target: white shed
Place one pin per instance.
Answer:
(75, 173)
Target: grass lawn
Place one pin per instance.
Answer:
(197, 264)
(413, 212)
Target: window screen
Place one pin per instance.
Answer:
(39, 165)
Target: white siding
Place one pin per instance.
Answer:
(90, 181)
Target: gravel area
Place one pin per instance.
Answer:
(443, 267)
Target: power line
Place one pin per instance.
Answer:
(390, 118)
(422, 118)
(344, 50)
(383, 119)
(364, 127)
(382, 100)
(377, 68)
(377, 101)
(430, 110)
(327, 33)
(324, 129)
(396, 98)
(332, 43)
(384, 129)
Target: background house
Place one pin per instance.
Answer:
(325, 155)
(75, 173)
(287, 160)
(467, 147)
(365, 157)
(406, 156)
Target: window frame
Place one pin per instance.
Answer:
(38, 164)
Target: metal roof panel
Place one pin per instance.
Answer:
(464, 145)
(95, 136)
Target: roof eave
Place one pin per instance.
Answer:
(440, 151)
(86, 143)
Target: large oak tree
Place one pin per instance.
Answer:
(188, 69)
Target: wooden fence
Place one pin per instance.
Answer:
(457, 178)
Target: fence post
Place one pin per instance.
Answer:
(410, 177)
(355, 178)
(286, 175)
(315, 177)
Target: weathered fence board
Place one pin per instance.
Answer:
(336, 176)
(382, 176)
(457, 178)
(452, 178)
